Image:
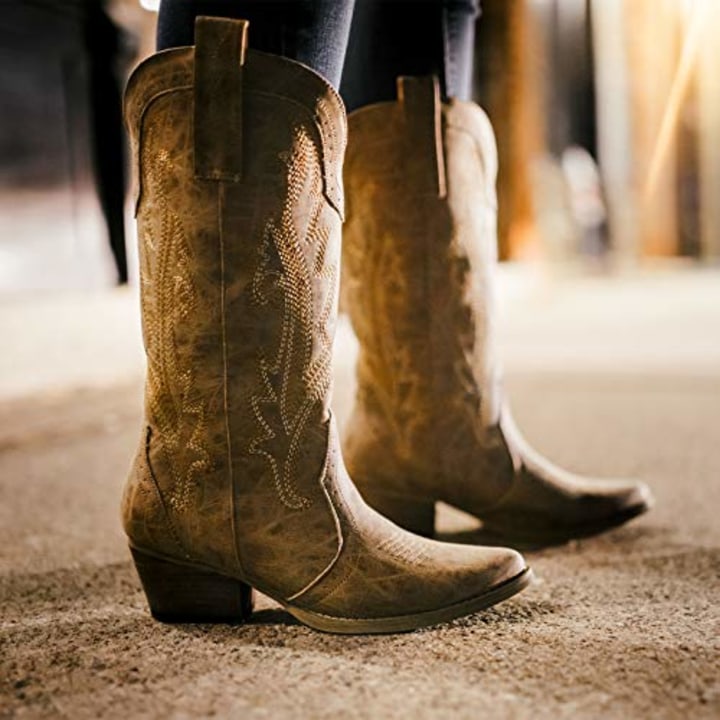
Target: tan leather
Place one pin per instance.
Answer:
(429, 421)
(239, 468)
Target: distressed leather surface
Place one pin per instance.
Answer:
(386, 571)
(238, 290)
(240, 468)
(419, 265)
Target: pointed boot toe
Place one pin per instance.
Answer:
(546, 504)
(554, 507)
(502, 567)
(634, 496)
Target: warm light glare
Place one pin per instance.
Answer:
(698, 14)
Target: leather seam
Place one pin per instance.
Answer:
(226, 412)
(338, 527)
(168, 519)
(479, 152)
(140, 123)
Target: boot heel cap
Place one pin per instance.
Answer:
(180, 593)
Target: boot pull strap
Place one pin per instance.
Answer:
(220, 47)
(420, 99)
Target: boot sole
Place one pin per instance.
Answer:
(407, 623)
(185, 593)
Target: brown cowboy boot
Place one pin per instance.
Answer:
(239, 481)
(420, 255)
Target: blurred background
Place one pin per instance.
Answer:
(607, 114)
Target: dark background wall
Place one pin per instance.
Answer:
(60, 90)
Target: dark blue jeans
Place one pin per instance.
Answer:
(382, 39)
(390, 38)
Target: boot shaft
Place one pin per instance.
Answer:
(239, 210)
(420, 256)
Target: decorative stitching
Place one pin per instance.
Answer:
(173, 298)
(283, 408)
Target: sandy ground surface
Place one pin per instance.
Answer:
(613, 377)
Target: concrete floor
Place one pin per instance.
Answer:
(610, 376)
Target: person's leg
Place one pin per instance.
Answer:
(103, 39)
(391, 38)
(313, 32)
(459, 17)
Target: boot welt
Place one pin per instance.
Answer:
(407, 623)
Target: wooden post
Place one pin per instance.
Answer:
(638, 51)
(509, 90)
(709, 135)
(615, 142)
(653, 32)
